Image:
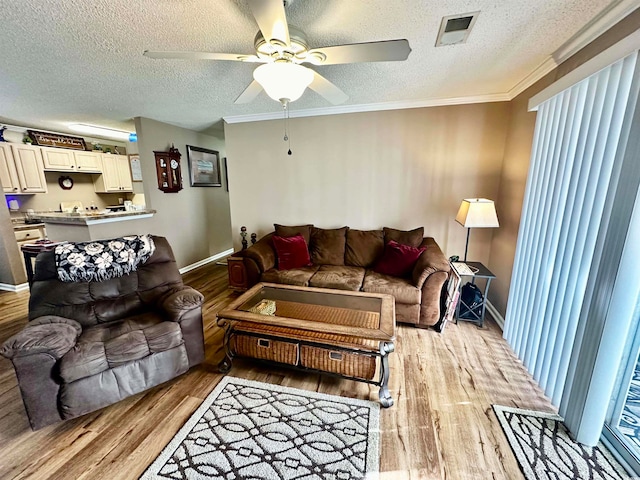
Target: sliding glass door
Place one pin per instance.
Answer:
(622, 427)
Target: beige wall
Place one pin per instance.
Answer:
(82, 190)
(402, 168)
(516, 161)
(196, 220)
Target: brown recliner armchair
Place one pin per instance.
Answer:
(91, 344)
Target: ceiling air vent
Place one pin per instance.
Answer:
(456, 28)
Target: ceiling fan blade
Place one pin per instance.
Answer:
(204, 56)
(250, 93)
(327, 89)
(271, 19)
(386, 51)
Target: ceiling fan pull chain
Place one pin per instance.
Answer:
(289, 130)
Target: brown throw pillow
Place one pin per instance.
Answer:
(327, 246)
(364, 247)
(292, 231)
(412, 238)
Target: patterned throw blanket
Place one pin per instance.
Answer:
(102, 259)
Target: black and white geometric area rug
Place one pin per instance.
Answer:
(252, 430)
(544, 450)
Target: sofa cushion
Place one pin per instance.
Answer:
(96, 391)
(103, 347)
(291, 252)
(398, 260)
(339, 277)
(412, 238)
(400, 288)
(290, 231)
(327, 246)
(363, 247)
(406, 313)
(295, 276)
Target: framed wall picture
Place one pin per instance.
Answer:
(226, 173)
(204, 167)
(136, 168)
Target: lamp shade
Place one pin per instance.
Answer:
(477, 213)
(282, 80)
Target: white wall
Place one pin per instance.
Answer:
(403, 169)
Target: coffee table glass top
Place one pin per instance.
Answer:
(364, 314)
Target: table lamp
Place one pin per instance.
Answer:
(476, 213)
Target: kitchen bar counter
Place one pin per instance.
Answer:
(85, 227)
(92, 218)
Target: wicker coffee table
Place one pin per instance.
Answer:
(337, 332)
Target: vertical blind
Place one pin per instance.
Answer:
(572, 160)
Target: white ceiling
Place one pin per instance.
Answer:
(67, 61)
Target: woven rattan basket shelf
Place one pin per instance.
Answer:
(345, 363)
(310, 336)
(266, 349)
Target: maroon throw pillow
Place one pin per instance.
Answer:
(398, 259)
(291, 252)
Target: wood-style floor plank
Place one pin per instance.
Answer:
(441, 426)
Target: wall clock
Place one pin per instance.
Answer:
(168, 170)
(65, 182)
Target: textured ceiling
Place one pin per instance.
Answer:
(65, 61)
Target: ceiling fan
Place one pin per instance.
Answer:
(282, 49)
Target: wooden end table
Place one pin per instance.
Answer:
(342, 333)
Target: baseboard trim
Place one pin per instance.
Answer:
(495, 314)
(14, 288)
(204, 261)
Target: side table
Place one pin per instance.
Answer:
(477, 272)
(31, 251)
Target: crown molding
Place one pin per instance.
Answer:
(600, 24)
(596, 27)
(587, 34)
(545, 67)
(370, 107)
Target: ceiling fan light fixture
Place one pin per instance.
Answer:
(283, 80)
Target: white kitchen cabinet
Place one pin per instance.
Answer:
(65, 160)
(87, 162)
(116, 175)
(29, 169)
(8, 173)
(58, 159)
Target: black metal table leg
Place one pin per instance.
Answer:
(227, 362)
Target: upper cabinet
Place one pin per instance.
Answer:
(116, 175)
(23, 162)
(88, 162)
(63, 160)
(8, 172)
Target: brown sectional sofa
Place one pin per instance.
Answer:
(343, 259)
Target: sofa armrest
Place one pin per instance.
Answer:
(178, 302)
(49, 334)
(431, 261)
(262, 253)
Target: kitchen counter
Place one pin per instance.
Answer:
(92, 218)
(84, 227)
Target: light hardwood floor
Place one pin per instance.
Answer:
(441, 426)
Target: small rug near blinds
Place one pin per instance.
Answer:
(544, 450)
(252, 430)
